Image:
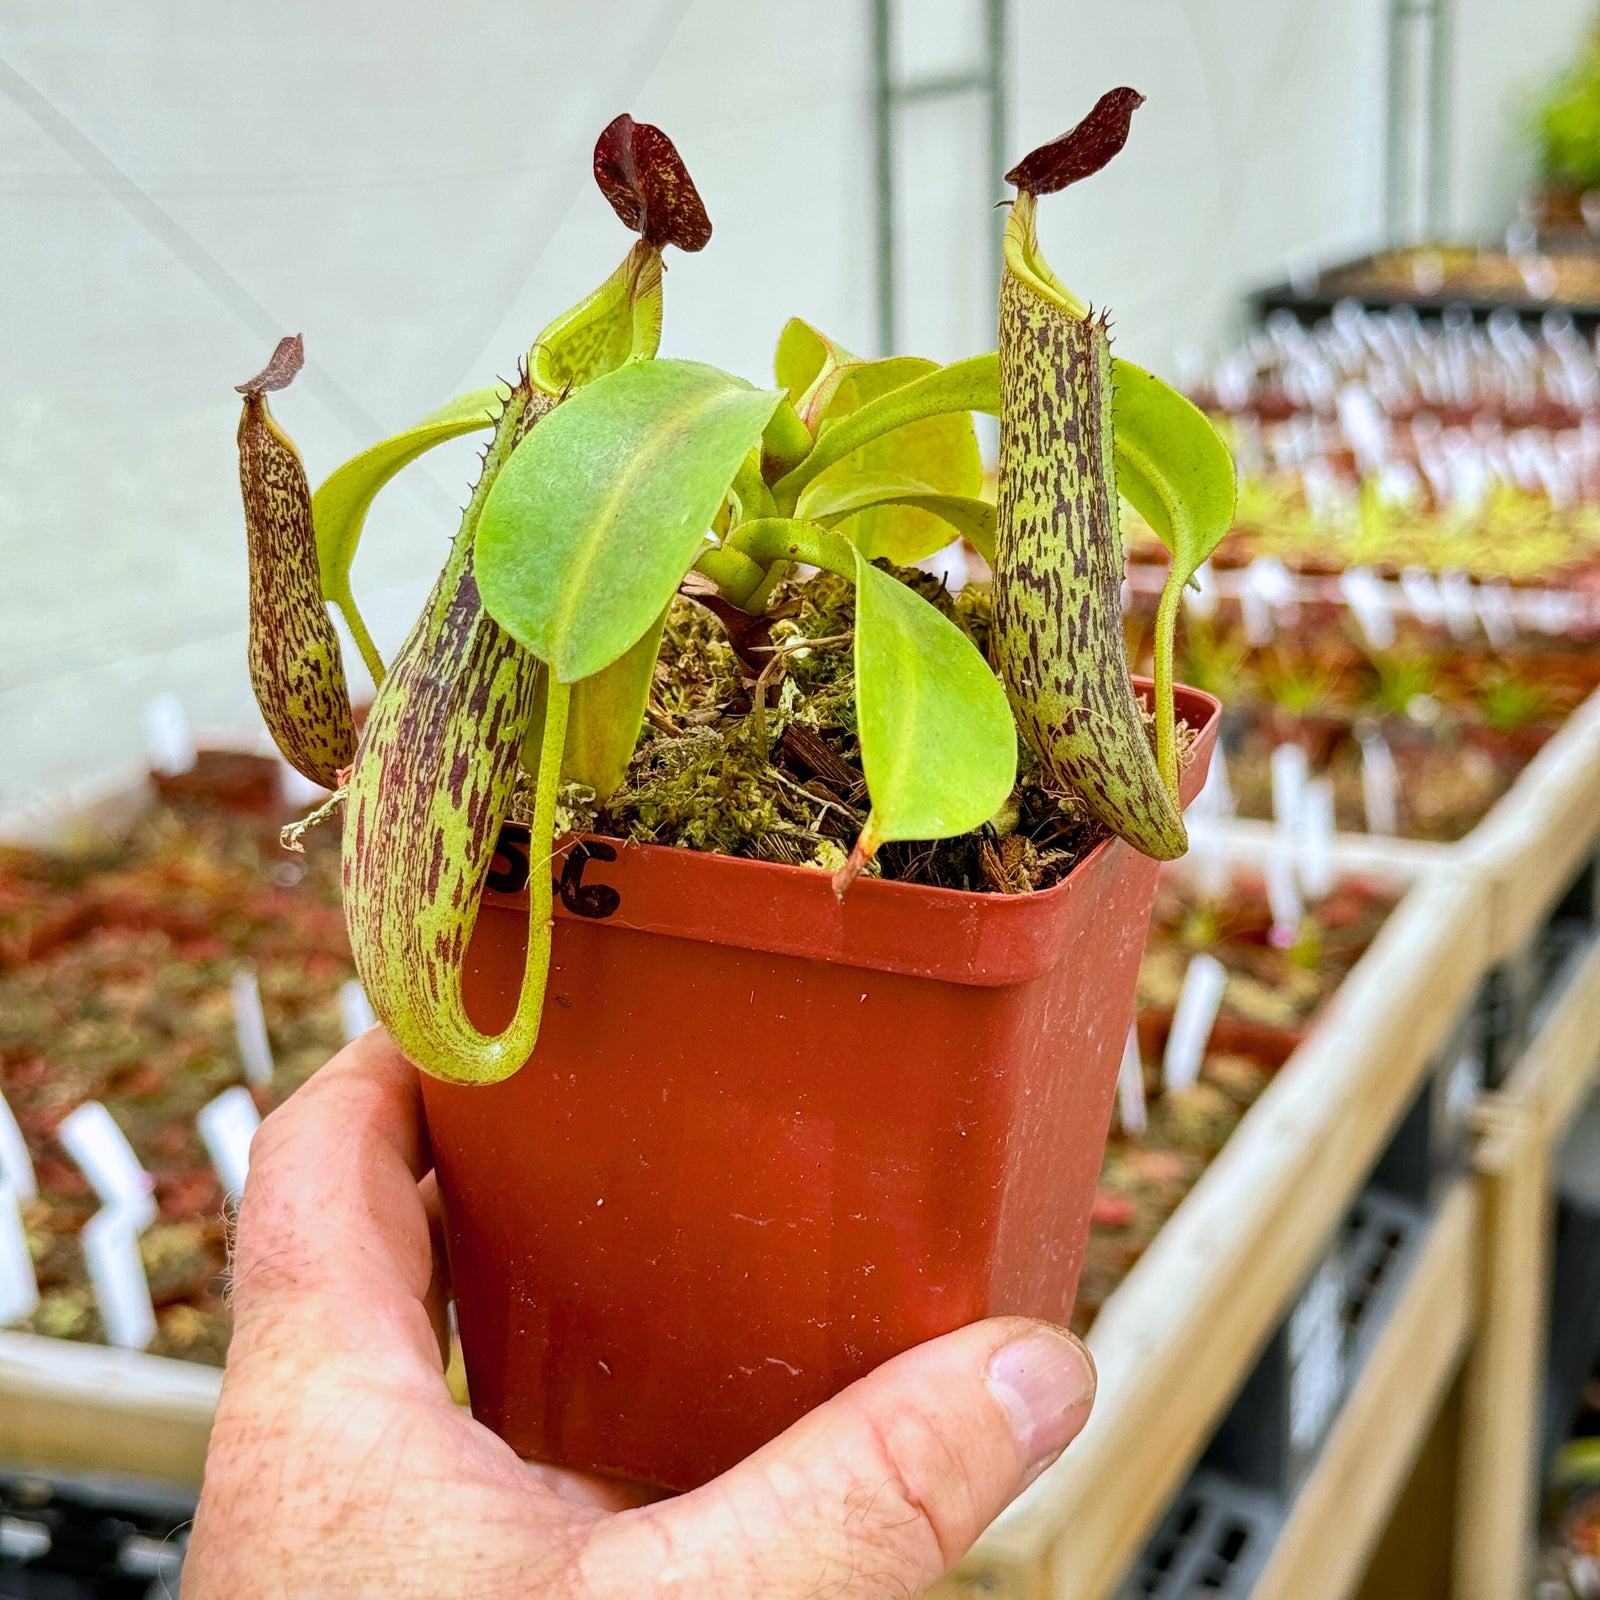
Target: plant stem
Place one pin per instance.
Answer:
(755, 498)
(541, 847)
(770, 539)
(1166, 713)
(356, 623)
(736, 576)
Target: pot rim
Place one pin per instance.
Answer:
(954, 935)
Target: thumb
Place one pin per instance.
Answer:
(881, 1490)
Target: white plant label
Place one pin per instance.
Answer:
(168, 738)
(1316, 1356)
(1216, 797)
(1283, 896)
(1460, 609)
(121, 1290)
(1421, 594)
(1130, 1088)
(16, 1165)
(1380, 786)
(1496, 615)
(1193, 1018)
(355, 1010)
(97, 1144)
(1200, 596)
(1367, 596)
(226, 1126)
(1290, 773)
(1315, 865)
(1207, 862)
(19, 1288)
(250, 1029)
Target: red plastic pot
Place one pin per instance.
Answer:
(770, 1139)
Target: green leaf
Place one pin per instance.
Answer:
(603, 725)
(938, 746)
(620, 321)
(970, 385)
(1178, 475)
(339, 508)
(940, 452)
(833, 500)
(601, 510)
(808, 365)
(1172, 466)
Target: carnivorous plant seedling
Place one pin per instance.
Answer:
(611, 474)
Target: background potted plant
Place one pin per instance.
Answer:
(771, 1123)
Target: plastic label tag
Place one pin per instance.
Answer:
(226, 1126)
(1290, 771)
(1283, 897)
(1315, 867)
(1316, 1357)
(116, 1272)
(1460, 612)
(1421, 594)
(1130, 1088)
(1267, 587)
(1380, 785)
(1368, 599)
(16, 1165)
(168, 739)
(1495, 613)
(1192, 1021)
(1207, 863)
(1200, 596)
(1462, 1085)
(1364, 426)
(355, 1010)
(19, 1288)
(96, 1143)
(250, 1029)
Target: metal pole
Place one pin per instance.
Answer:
(997, 122)
(883, 112)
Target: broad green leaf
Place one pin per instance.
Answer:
(600, 511)
(1172, 466)
(1178, 475)
(832, 501)
(808, 364)
(940, 452)
(620, 321)
(938, 745)
(603, 725)
(970, 385)
(339, 508)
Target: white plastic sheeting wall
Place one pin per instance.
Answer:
(408, 184)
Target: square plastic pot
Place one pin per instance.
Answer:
(770, 1139)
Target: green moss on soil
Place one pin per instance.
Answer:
(774, 773)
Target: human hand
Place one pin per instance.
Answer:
(340, 1466)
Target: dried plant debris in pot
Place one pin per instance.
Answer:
(757, 755)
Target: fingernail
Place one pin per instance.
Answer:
(1046, 1380)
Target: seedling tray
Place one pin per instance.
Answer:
(1177, 1340)
(1357, 279)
